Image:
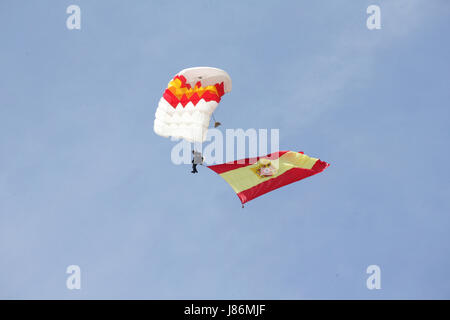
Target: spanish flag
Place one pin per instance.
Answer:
(253, 177)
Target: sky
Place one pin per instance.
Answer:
(85, 181)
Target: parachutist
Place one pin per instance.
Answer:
(194, 167)
(198, 159)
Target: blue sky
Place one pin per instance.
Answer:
(85, 181)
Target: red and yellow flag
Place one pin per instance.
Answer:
(253, 177)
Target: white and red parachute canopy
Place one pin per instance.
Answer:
(185, 109)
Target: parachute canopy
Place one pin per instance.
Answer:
(253, 177)
(185, 109)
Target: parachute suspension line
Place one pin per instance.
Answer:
(197, 147)
(216, 123)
